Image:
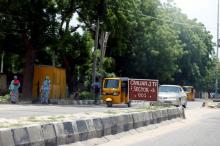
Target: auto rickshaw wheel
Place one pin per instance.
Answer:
(109, 104)
(129, 103)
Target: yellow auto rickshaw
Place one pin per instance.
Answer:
(190, 92)
(115, 91)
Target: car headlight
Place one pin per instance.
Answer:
(162, 97)
(115, 94)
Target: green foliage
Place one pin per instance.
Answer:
(197, 47)
(85, 95)
(5, 98)
(148, 40)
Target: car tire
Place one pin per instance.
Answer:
(129, 103)
(109, 104)
(184, 105)
(179, 103)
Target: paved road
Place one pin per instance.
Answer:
(26, 110)
(16, 111)
(201, 128)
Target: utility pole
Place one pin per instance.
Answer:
(2, 61)
(53, 59)
(216, 81)
(103, 43)
(101, 8)
(95, 59)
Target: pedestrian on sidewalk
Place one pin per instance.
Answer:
(45, 90)
(13, 88)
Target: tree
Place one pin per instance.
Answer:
(40, 28)
(197, 59)
(148, 39)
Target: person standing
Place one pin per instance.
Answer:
(14, 92)
(96, 88)
(45, 90)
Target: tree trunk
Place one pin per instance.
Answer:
(28, 72)
(68, 74)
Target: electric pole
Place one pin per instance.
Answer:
(101, 10)
(95, 59)
(2, 61)
(216, 81)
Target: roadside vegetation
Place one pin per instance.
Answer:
(148, 39)
(4, 99)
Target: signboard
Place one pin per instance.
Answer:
(143, 89)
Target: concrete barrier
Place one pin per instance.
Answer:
(6, 138)
(98, 125)
(86, 129)
(171, 113)
(128, 123)
(164, 114)
(21, 137)
(154, 117)
(66, 132)
(107, 125)
(148, 118)
(73, 131)
(60, 134)
(139, 119)
(49, 134)
(35, 135)
(158, 116)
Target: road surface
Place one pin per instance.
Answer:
(201, 128)
(12, 111)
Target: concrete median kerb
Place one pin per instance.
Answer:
(49, 134)
(74, 102)
(6, 138)
(79, 130)
(20, 136)
(35, 135)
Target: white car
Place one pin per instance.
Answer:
(172, 94)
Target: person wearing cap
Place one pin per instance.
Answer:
(45, 90)
(14, 92)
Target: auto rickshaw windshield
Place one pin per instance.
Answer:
(111, 83)
(187, 89)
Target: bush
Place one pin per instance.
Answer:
(5, 98)
(85, 95)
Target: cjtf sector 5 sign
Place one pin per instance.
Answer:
(143, 89)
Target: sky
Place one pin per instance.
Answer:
(205, 11)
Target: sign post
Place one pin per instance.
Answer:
(143, 89)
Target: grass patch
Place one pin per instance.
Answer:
(54, 118)
(151, 107)
(33, 119)
(60, 117)
(5, 98)
(111, 112)
(14, 125)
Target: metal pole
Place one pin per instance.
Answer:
(2, 61)
(53, 59)
(216, 81)
(95, 59)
